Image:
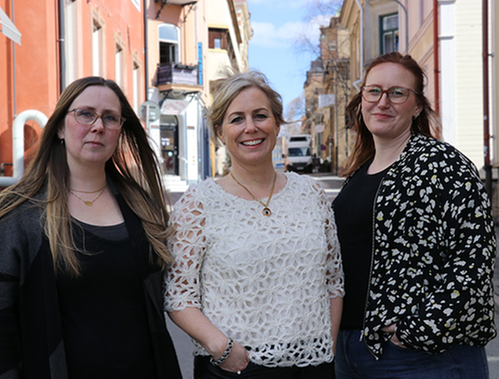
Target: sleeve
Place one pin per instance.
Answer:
(335, 277)
(10, 338)
(461, 307)
(187, 244)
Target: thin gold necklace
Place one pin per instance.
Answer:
(87, 202)
(100, 189)
(266, 210)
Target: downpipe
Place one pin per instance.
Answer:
(18, 144)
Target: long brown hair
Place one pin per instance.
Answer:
(133, 168)
(364, 146)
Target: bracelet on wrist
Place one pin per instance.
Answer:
(225, 354)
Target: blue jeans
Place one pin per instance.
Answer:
(354, 360)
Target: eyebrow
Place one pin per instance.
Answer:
(90, 108)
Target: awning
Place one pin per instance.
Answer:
(8, 28)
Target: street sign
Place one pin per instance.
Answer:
(149, 111)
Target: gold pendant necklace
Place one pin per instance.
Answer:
(87, 202)
(266, 210)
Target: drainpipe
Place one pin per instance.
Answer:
(406, 26)
(486, 130)
(436, 57)
(361, 61)
(14, 90)
(18, 144)
(146, 52)
(62, 47)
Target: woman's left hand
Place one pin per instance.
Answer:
(237, 360)
(391, 329)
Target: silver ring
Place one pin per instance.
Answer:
(239, 373)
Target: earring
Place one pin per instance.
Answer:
(62, 141)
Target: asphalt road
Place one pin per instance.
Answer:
(331, 184)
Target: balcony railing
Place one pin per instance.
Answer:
(172, 73)
(179, 2)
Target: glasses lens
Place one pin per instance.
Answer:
(398, 95)
(84, 116)
(372, 93)
(112, 121)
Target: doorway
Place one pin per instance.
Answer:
(169, 144)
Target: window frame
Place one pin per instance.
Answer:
(393, 32)
(173, 45)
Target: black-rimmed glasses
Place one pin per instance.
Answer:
(396, 95)
(111, 120)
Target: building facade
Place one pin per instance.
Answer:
(177, 50)
(229, 32)
(44, 46)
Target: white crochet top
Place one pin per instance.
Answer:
(265, 281)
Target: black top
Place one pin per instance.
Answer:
(353, 208)
(103, 311)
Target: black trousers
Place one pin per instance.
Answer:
(203, 369)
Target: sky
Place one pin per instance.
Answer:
(273, 49)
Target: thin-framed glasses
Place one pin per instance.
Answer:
(111, 120)
(396, 95)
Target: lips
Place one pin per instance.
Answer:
(253, 142)
(382, 116)
(94, 143)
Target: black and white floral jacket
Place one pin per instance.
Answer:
(434, 250)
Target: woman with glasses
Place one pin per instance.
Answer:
(417, 240)
(84, 247)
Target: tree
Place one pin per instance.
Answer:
(295, 109)
(317, 14)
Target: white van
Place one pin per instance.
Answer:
(299, 153)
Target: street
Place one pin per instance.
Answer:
(331, 184)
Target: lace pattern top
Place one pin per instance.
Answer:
(264, 281)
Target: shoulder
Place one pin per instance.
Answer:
(305, 189)
(197, 198)
(301, 181)
(27, 214)
(437, 155)
(199, 190)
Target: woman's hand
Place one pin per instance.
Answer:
(391, 329)
(237, 360)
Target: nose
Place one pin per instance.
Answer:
(250, 126)
(383, 102)
(98, 125)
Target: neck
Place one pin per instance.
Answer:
(387, 152)
(258, 175)
(87, 180)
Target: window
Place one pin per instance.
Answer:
(119, 62)
(389, 33)
(136, 86)
(72, 45)
(217, 38)
(97, 55)
(169, 44)
(119, 65)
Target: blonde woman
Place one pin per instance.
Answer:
(257, 280)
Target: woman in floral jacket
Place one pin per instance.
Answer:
(417, 240)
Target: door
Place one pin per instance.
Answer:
(169, 144)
